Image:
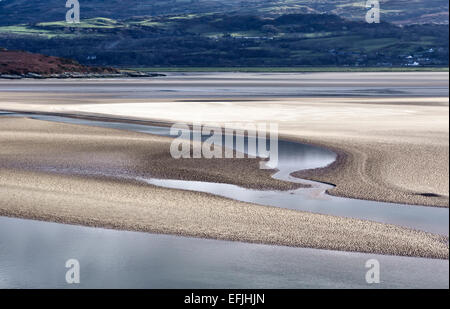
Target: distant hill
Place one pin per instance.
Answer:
(22, 63)
(225, 40)
(14, 12)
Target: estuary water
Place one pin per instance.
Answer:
(33, 254)
(292, 157)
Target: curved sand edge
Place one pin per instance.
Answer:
(356, 172)
(136, 207)
(130, 154)
(363, 169)
(102, 202)
(396, 150)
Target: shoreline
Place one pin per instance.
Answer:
(328, 175)
(301, 230)
(349, 159)
(77, 76)
(442, 255)
(139, 73)
(292, 69)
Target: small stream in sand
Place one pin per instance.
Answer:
(292, 157)
(248, 264)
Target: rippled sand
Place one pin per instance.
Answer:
(393, 150)
(27, 191)
(393, 145)
(391, 129)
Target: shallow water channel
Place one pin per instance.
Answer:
(33, 254)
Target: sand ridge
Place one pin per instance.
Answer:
(97, 201)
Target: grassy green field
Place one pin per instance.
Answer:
(29, 31)
(291, 69)
(97, 22)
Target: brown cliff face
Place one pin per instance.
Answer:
(20, 63)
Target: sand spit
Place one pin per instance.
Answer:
(393, 150)
(399, 173)
(73, 149)
(69, 196)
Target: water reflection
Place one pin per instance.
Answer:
(33, 255)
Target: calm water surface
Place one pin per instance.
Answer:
(33, 255)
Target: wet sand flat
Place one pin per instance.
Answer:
(27, 190)
(393, 150)
(390, 129)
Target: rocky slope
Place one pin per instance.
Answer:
(21, 64)
(24, 64)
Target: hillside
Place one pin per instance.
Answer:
(233, 40)
(14, 12)
(21, 63)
